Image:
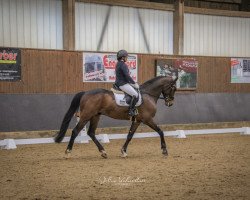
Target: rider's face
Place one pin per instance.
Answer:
(125, 59)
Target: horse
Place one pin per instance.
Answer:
(97, 102)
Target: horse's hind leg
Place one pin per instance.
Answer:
(74, 134)
(91, 132)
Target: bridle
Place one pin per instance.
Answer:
(168, 99)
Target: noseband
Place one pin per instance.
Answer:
(169, 98)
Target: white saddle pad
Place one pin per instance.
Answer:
(120, 98)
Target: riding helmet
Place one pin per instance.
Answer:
(121, 53)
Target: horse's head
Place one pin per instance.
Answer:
(168, 92)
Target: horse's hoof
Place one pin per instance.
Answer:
(67, 153)
(104, 154)
(165, 152)
(124, 154)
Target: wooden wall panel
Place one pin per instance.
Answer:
(214, 73)
(57, 72)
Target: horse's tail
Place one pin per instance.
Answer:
(68, 116)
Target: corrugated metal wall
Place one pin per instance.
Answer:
(216, 35)
(38, 24)
(31, 24)
(110, 28)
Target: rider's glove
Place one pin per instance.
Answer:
(136, 86)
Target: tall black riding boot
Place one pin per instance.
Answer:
(132, 111)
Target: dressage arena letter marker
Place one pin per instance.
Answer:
(103, 138)
(9, 144)
(245, 131)
(82, 137)
(181, 134)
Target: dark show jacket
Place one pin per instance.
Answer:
(122, 74)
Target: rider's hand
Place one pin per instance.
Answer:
(136, 85)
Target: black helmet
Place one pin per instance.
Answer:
(121, 53)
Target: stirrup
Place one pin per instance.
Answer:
(136, 111)
(133, 112)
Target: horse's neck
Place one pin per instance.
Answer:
(154, 89)
(154, 92)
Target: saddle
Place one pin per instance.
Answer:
(124, 99)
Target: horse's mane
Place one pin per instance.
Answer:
(151, 81)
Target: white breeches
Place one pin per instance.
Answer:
(129, 90)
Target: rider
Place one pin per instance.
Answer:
(124, 81)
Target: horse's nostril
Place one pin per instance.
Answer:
(169, 104)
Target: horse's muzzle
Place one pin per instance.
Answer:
(169, 103)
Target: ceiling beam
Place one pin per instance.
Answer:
(205, 11)
(221, 1)
(133, 3)
(68, 24)
(245, 5)
(178, 27)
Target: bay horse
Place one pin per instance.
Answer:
(97, 102)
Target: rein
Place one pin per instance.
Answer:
(160, 97)
(153, 95)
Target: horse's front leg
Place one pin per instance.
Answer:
(132, 130)
(152, 125)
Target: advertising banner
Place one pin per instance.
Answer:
(100, 67)
(10, 64)
(184, 69)
(240, 70)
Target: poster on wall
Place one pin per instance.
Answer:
(100, 67)
(240, 70)
(184, 69)
(10, 64)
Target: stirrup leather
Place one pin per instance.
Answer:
(117, 91)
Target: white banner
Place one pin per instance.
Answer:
(100, 67)
(240, 70)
